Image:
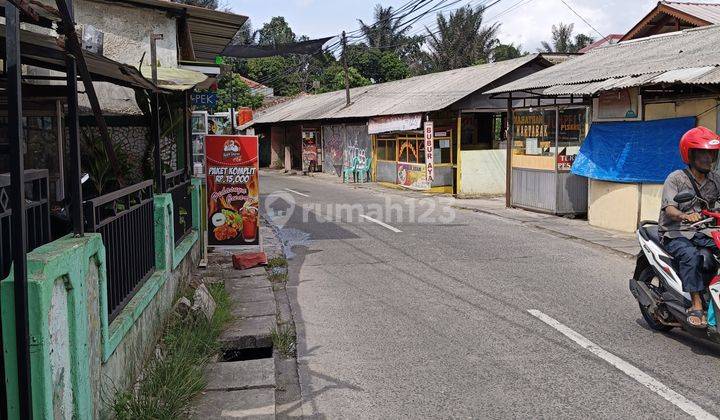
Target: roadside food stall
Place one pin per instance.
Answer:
(400, 155)
(545, 142)
(645, 94)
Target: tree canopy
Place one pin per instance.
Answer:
(383, 50)
(562, 40)
(461, 39)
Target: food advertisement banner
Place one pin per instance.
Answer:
(232, 190)
(412, 176)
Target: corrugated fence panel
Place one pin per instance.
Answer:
(533, 189)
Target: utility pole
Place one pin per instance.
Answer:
(345, 66)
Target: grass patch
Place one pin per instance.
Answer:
(278, 277)
(173, 380)
(277, 262)
(283, 339)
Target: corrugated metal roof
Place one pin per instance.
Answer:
(425, 93)
(709, 12)
(694, 75)
(690, 49)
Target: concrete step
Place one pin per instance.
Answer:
(230, 376)
(248, 333)
(256, 404)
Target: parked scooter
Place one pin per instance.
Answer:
(657, 286)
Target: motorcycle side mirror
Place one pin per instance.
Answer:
(684, 197)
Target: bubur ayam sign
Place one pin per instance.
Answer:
(232, 190)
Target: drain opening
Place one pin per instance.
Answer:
(238, 355)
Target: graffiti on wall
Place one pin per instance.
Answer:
(357, 147)
(333, 145)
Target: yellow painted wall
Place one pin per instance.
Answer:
(612, 205)
(482, 172)
(650, 201)
(687, 108)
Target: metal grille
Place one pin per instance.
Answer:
(38, 232)
(125, 219)
(178, 185)
(38, 215)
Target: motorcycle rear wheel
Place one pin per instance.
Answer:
(648, 277)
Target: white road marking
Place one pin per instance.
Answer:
(296, 192)
(385, 225)
(643, 378)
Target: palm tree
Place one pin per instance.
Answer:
(562, 40)
(387, 32)
(461, 40)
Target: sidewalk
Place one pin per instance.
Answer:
(622, 243)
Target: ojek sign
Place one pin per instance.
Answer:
(429, 151)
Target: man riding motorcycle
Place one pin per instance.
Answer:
(699, 150)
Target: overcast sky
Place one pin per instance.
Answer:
(528, 23)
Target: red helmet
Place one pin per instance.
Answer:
(698, 138)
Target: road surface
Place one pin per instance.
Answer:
(452, 313)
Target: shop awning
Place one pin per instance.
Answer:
(45, 51)
(642, 151)
(312, 46)
(175, 79)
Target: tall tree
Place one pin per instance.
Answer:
(461, 39)
(387, 32)
(562, 40)
(208, 4)
(376, 65)
(504, 52)
(275, 32)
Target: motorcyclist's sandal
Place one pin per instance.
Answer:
(699, 315)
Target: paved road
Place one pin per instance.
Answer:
(433, 321)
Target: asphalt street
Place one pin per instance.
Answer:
(437, 313)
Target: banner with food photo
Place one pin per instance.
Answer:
(232, 190)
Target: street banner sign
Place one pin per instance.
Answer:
(232, 190)
(429, 150)
(204, 99)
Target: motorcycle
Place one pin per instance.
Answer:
(656, 284)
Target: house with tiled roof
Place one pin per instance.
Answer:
(673, 16)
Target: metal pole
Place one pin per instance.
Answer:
(188, 134)
(155, 114)
(17, 201)
(508, 149)
(76, 212)
(345, 66)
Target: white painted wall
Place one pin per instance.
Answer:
(126, 37)
(482, 172)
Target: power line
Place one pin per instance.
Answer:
(583, 19)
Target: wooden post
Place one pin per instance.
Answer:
(155, 115)
(72, 44)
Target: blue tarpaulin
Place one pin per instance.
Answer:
(642, 151)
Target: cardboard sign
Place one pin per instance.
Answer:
(232, 190)
(429, 151)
